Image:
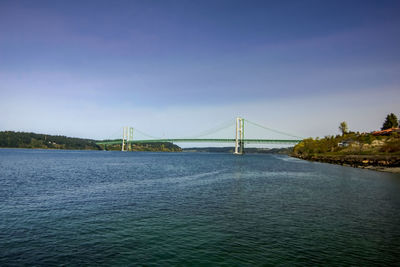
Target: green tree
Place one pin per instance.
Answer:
(343, 127)
(390, 122)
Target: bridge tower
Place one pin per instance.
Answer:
(124, 138)
(127, 138)
(239, 141)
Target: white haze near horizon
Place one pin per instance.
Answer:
(315, 116)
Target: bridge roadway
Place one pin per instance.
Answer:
(188, 140)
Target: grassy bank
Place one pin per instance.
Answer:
(363, 150)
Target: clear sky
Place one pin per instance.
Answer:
(177, 68)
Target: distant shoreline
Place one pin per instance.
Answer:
(11, 139)
(75, 149)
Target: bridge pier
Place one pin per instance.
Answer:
(239, 140)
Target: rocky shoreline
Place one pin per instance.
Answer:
(386, 163)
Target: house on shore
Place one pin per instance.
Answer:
(387, 131)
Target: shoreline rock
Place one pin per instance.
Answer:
(385, 163)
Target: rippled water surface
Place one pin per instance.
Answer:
(115, 208)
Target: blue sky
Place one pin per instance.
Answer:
(176, 68)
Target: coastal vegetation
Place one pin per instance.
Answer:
(350, 144)
(380, 148)
(343, 127)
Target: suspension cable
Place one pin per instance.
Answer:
(225, 125)
(273, 130)
(145, 134)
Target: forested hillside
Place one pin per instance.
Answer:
(151, 146)
(33, 140)
(10, 139)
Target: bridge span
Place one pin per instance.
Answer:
(239, 140)
(209, 140)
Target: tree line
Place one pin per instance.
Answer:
(13, 139)
(150, 147)
(390, 122)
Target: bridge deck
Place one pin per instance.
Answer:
(188, 140)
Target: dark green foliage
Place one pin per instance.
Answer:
(151, 146)
(32, 140)
(156, 146)
(391, 121)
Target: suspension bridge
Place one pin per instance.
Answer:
(239, 139)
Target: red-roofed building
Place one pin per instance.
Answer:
(387, 131)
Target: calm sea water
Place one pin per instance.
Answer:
(114, 208)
